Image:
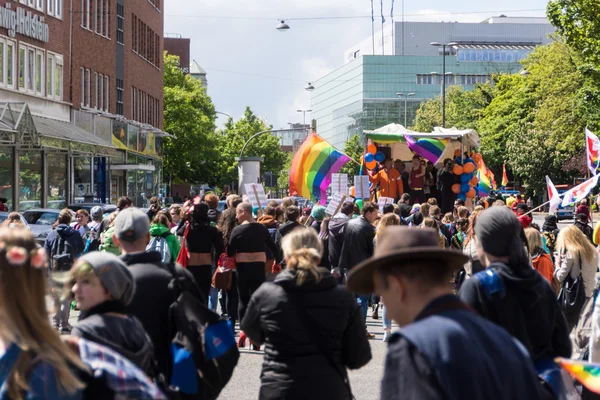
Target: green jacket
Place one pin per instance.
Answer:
(108, 244)
(172, 242)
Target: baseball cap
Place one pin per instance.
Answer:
(113, 273)
(96, 212)
(131, 224)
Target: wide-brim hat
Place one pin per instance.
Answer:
(402, 245)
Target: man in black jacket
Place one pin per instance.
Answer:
(358, 246)
(336, 234)
(582, 223)
(404, 206)
(292, 213)
(152, 296)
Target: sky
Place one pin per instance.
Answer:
(249, 63)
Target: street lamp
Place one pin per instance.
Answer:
(443, 46)
(282, 26)
(303, 115)
(309, 87)
(442, 94)
(406, 96)
(219, 112)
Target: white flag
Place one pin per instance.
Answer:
(580, 191)
(592, 145)
(553, 196)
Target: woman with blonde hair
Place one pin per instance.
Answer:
(575, 256)
(540, 260)
(13, 220)
(432, 223)
(386, 220)
(312, 327)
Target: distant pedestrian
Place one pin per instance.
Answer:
(159, 230)
(317, 214)
(83, 219)
(417, 180)
(581, 222)
(583, 208)
(153, 208)
(523, 215)
(336, 235)
(404, 206)
(213, 208)
(13, 220)
(177, 198)
(443, 349)
(540, 260)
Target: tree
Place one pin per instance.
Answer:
(283, 179)
(192, 155)
(354, 148)
(235, 135)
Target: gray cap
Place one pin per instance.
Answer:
(113, 273)
(131, 224)
(96, 212)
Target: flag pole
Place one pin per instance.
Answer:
(540, 206)
(351, 159)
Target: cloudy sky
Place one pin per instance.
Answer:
(250, 63)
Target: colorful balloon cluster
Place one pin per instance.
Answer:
(467, 171)
(372, 157)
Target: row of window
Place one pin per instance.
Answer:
(144, 108)
(96, 14)
(53, 7)
(145, 42)
(460, 79)
(483, 55)
(95, 91)
(155, 3)
(30, 69)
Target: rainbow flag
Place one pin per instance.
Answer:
(313, 164)
(430, 149)
(592, 144)
(485, 184)
(504, 176)
(586, 373)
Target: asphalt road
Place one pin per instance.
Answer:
(245, 382)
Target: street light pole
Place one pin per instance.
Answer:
(303, 115)
(406, 96)
(443, 46)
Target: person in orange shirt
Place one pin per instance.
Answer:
(389, 181)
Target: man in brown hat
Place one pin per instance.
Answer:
(443, 349)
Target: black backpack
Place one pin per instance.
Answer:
(203, 349)
(62, 254)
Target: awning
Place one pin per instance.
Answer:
(132, 167)
(67, 131)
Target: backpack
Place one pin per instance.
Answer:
(203, 348)
(62, 254)
(550, 240)
(583, 329)
(93, 238)
(160, 245)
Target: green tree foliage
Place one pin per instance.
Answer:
(283, 179)
(236, 134)
(354, 148)
(192, 155)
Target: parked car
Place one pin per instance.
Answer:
(106, 208)
(4, 215)
(40, 221)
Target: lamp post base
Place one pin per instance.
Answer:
(248, 172)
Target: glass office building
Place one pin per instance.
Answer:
(362, 94)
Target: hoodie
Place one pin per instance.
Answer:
(272, 225)
(213, 216)
(528, 310)
(336, 238)
(172, 242)
(525, 220)
(69, 234)
(106, 324)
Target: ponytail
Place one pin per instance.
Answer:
(305, 261)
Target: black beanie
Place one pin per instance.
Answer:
(499, 231)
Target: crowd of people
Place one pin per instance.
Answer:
(477, 292)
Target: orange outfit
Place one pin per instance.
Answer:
(390, 183)
(544, 265)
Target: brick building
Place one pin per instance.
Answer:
(81, 100)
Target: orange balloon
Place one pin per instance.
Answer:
(471, 193)
(457, 170)
(372, 149)
(352, 191)
(371, 164)
(456, 188)
(468, 168)
(474, 181)
(457, 153)
(476, 157)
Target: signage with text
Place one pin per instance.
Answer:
(24, 22)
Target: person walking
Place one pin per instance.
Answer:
(388, 180)
(229, 298)
(512, 294)
(336, 235)
(540, 260)
(583, 208)
(83, 219)
(581, 222)
(213, 208)
(550, 232)
(268, 220)
(359, 234)
(443, 349)
(292, 214)
(153, 208)
(522, 215)
(152, 297)
(64, 245)
(247, 244)
(159, 229)
(311, 327)
(386, 221)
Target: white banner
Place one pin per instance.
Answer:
(339, 183)
(334, 203)
(256, 193)
(383, 201)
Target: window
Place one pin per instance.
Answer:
(134, 23)
(100, 92)
(145, 42)
(2, 62)
(50, 7)
(30, 69)
(120, 94)
(22, 60)
(54, 77)
(10, 63)
(88, 87)
(106, 17)
(95, 90)
(120, 24)
(106, 93)
(39, 5)
(39, 72)
(82, 72)
(85, 13)
(58, 13)
(31, 3)
(155, 3)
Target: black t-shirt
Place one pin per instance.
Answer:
(251, 238)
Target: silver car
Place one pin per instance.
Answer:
(40, 221)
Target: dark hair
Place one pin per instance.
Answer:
(161, 219)
(388, 209)
(64, 217)
(405, 197)
(435, 210)
(459, 202)
(535, 226)
(236, 202)
(347, 208)
(369, 207)
(292, 213)
(270, 211)
(226, 223)
(199, 216)
(153, 200)
(166, 213)
(123, 202)
(462, 223)
(273, 203)
(212, 200)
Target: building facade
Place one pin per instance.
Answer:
(81, 101)
(362, 94)
(179, 46)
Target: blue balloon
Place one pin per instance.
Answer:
(379, 156)
(464, 188)
(462, 197)
(458, 161)
(470, 160)
(369, 157)
(465, 178)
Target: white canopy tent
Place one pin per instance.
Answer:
(393, 136)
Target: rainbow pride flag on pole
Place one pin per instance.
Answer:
(592, 145)
(504, 176)
(313, 164)
(486, 180)
(430, 149)
(586, 373)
